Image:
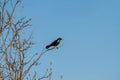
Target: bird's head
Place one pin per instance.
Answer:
(59, 38)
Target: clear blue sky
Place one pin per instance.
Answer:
(91, 33)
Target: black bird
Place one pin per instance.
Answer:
(54, 43)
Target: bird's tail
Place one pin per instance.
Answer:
(48, 46)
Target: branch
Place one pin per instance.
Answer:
(15, 7)
(45, 76)
(41, 54)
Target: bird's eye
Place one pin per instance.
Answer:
(58, 40)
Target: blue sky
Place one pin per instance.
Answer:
(91, 33)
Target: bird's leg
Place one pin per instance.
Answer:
(55, 47)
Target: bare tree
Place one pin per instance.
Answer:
(13, 46)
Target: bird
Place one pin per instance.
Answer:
(54, 43)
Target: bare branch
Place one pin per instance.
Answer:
(14, 45)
